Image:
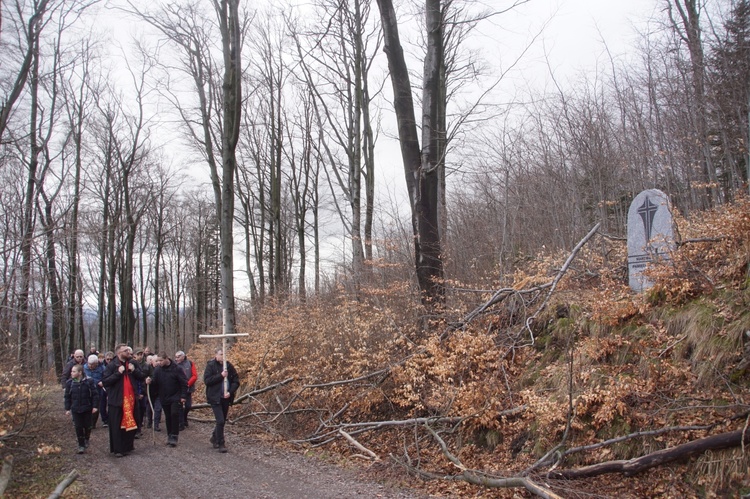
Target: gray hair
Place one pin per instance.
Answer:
(178, 353)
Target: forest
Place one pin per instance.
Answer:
(223, 172)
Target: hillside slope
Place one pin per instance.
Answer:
(515, 379)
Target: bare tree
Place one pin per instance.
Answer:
(687, 27)
(335, 63)
(29, 26)
(187, 28)
(420, 164)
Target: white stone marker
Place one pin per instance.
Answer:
(650, 235)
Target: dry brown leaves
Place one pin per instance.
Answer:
(633, 367)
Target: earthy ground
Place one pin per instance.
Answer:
(193, 469)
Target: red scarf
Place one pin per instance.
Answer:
(128, 402)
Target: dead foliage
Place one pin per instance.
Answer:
(527, 382)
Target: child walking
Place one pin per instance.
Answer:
(81, 401)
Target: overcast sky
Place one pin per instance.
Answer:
(574, 33)
(573, 40)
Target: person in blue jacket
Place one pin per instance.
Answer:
(94, 371)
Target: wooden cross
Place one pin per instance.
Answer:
(224, 351)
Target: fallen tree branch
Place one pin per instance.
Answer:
(484, 480)
(358, 445)
(701, 240)
(503, 293)
(636, 465)
(263, 390)
(497, 297)
(560, 274)
(72, 476)
(508, 483)
(403, 422)
(352, 380)
(333, 431)
(650, 433)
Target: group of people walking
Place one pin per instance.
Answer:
(127, 387)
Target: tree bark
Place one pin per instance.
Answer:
(679, 452)
(420, 167)
(229, 23)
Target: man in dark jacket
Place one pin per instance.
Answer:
(170, 384)
(76, 360)
(120, 379)
(221, 382)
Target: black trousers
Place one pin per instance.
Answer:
(82, 423)
(220, 413)
(172, 416)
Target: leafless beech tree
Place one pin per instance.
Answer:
(420, 163)
(685, 18)
(220, 107)
(335, 54)
(29, 25)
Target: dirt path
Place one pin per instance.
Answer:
(193, 469)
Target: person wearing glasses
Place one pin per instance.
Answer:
(76, 360)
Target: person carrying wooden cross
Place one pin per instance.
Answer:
(222, 381)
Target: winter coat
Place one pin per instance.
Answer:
(66, 370)
(169, 383)
(112, 381)
(214, 381)
(94, 374)
(191, 373)
(81, 396)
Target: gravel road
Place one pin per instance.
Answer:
(193, 469)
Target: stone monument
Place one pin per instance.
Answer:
(650, 235)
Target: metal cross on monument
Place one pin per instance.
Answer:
(224, 351)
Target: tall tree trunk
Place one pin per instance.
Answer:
(33, 29)
(420, 167)
(54, 290)
(27, 239)
(103, 287)
(689, 12)
(228, 11)
(75, 307)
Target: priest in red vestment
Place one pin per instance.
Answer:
(121, 379)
